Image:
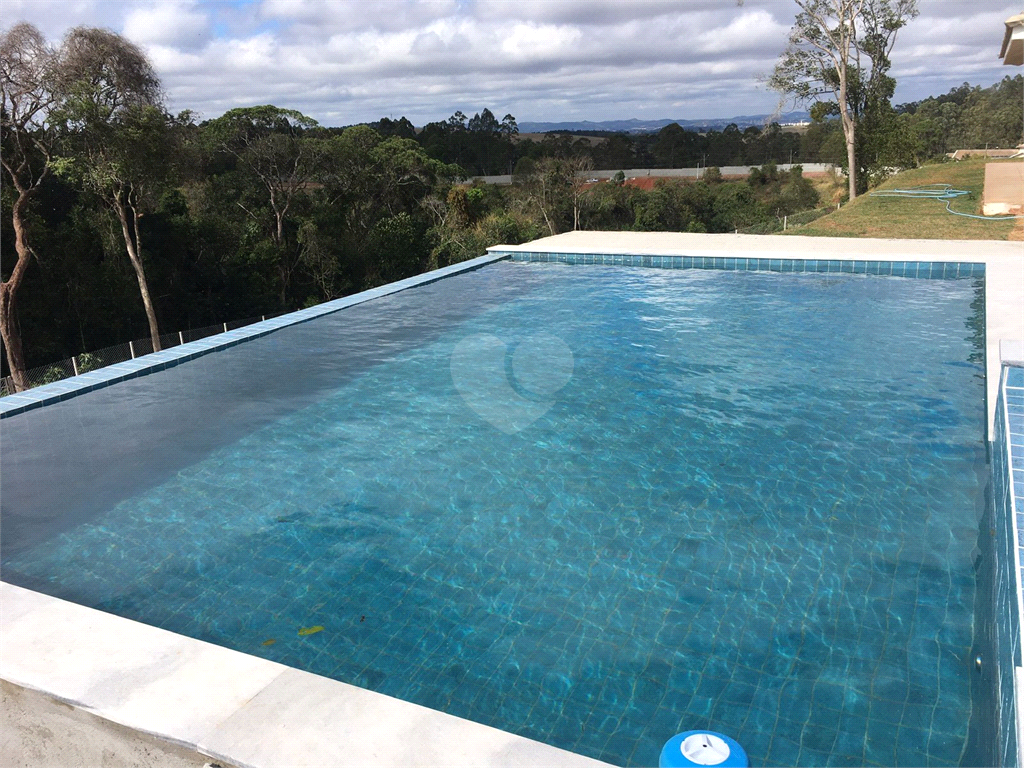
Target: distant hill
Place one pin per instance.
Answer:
(649, 126)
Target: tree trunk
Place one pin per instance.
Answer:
(10, 332)
(282, 267)
(851, 159)
(284, 278)
(548, 221)
(849, 128)
(12, 336)
(543, 206)
(133, 246)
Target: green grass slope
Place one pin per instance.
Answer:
(890, 217)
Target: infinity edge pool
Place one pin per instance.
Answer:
(250, 711)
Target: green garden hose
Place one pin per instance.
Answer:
(939, 192)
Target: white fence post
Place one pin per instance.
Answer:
(181, 337)
(131, 348)
(225, 327)
(74, 364)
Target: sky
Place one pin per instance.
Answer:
(344, 62)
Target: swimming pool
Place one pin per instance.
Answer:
(752, 506)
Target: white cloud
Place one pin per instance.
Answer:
(532, 42)
(315, 19)
(747, 31)
(172, 24)
(344, 61)
(582, 12)
(55, 17)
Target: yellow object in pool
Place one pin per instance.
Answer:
(271, 641)
(311, 630)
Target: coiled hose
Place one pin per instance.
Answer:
(939, 192)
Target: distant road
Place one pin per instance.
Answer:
(688, 173)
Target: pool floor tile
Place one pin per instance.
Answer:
(631, 571)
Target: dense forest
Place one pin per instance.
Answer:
(144, 223)
(907, 135)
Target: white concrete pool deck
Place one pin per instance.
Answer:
(231, 706)
(247, 711)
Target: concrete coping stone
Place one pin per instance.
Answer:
(1011, 351)
(231, 706)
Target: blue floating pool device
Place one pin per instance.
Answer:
(699, 748)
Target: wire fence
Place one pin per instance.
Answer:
(100, 358)
(783, 223)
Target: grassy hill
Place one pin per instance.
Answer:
(891, 217)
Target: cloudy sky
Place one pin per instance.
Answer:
(345, 62)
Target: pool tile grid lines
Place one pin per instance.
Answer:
(1013, 404)
(1008, 498)
(920, 269)
(231, 706)
(26, 400)
(20, 402)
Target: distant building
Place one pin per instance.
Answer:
(1012, 51)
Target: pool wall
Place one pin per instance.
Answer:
(947, 270)
(1008, 505)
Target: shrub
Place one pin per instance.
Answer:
(88, 362)
(53, 373)
(712, 175)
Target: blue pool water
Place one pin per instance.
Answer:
(594, 506)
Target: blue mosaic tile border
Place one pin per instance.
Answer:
(168, 358)
(1008, 497)
(942, 270)
(1013, 398)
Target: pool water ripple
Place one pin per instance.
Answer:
(753, 508)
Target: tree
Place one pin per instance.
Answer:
(271, 145)
(555, 187)
(509, 126)
(617, 151)
(401, 127)
(26, 85)
(117, 134)
(674, 146)
(840, 48)
(484, 122)
(370, 202)
(480, 144)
